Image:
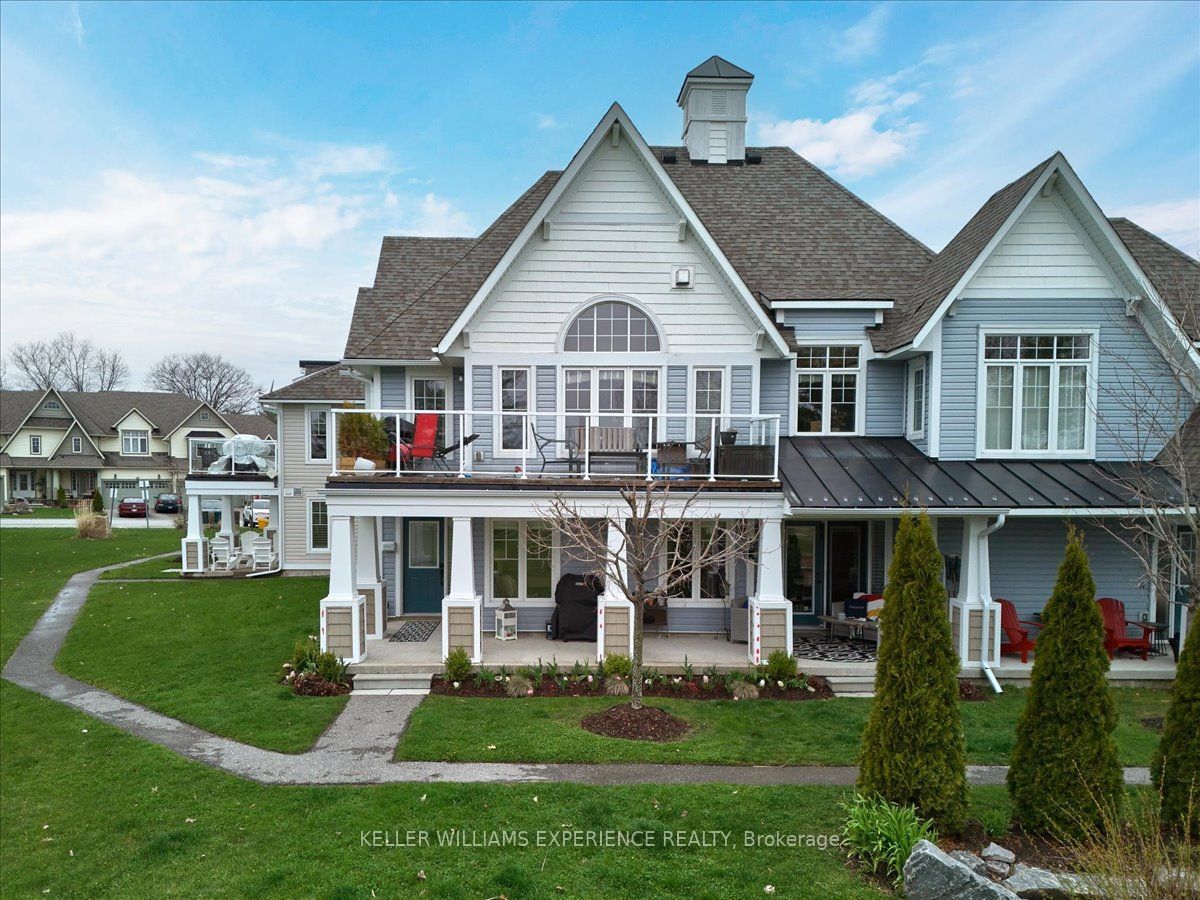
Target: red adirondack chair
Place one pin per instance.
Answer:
(1116, 629)
(1016, 638)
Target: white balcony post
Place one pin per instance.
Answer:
(367, 580)
(194, 547)
(331, 446)
(712, 450)
(462, 445)
(462, 608)
(272, 531)
(343, 610)
(770, 610)
(228, 527)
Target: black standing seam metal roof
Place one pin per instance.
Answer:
(875, 473)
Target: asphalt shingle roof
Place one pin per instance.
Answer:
(325, 384)
(1174, 274)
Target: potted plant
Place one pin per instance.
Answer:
(361, 435)
(729, 437)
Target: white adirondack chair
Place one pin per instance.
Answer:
(222, 558)
(246, 547)
(263, 554)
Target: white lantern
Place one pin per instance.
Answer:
(506, 623)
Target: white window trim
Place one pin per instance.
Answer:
(76, 444)
(308, 525)
(531, 404)
(723, 415)
(309, 411)
(1089, 439)
(860, 396)
(432, 374)
(561, 343)
(695, 601)
(489, 594)
(126, 431)
(594, 394)
(35, 445)
(913, 430)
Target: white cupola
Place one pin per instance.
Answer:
(713, 100)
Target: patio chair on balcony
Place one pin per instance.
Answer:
(1116, 629)
(424, 443)
(1015, 632)
(441, 455)
(545, 447)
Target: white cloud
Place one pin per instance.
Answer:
(852, 145)
(75, 23)
(546, 122)
(258, 260)
(1176, 221)
(862, 38)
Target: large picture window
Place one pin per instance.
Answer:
(828, 389)
(522, 560)
(1036, 393)
(135, 443)
(612, 397)
(612, 327)
(318, 435)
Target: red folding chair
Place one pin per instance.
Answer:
(1116, 629)
(1016, 632)
(424, 442)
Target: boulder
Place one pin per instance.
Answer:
(997, 868)
(1002, 854)
(931, 874)
(970, 860)
(1032, 883)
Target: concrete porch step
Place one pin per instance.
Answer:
(852, 685)
(389, 682)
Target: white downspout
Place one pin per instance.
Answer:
(986, 596)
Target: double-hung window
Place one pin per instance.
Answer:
(828, 389)
(1036, 393)
(135, 443)
(613, 397)
(76, 445)
(318, 435)
(35, 445)
(429, 395)
(522, 560)
(514, 393)
(697, 541)
(318, 525)
(708, 401)
(917, 387)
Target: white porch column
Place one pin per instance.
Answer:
(970, 626)
(272, 531)
(462, 608)
(366, 573)
(614, 615)
(343, 610)
(229, 525)
(194, 547)
(770, 611)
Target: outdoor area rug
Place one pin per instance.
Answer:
(835, 649)
(414, 631)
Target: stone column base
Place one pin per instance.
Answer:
(770, 628)
(194, 554)
(373, 591)
(462, 621)
(614, 627)
(343, 628)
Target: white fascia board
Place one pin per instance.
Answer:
(431, 360)
(208, 488)
(833, 304)
(75, 423)
(615, 115)
(116, 425)
(989, 248)
(319, 401)
(1122, 512)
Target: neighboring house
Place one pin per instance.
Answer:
(110, 440)
(734, 319)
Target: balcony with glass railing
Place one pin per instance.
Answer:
(242, 457)
(502, 444)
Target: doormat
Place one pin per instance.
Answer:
(832, 649)
(415, 631)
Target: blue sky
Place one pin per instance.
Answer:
(218, 176)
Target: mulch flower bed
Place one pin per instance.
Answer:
(313, 685)
(971, 692)
(645, 724)
(695, 689)
(1031, 849)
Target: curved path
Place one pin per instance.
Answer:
(357, 748)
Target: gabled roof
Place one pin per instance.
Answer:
(422, 284)
(15, 407)
(248, 423)
(946, 269)
(325, 385)
(1174, 274)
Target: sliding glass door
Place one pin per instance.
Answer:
(803, 555)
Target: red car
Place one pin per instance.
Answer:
(132, 508)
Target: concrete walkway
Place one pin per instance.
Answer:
(357, 748)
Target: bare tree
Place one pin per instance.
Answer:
(208, 378)
(656, 550)
(1157, 426)
(69, 363)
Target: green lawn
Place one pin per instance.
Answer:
(45, 512)
(153, 568)
(207, 652)
(723, 731)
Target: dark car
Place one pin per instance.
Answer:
(166, 503)
(132, 508)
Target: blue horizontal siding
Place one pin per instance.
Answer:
(823, 324)
(885, 398)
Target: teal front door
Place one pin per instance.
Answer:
(422, 565)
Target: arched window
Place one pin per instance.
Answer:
(612, 326)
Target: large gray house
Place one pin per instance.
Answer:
(733, 319)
